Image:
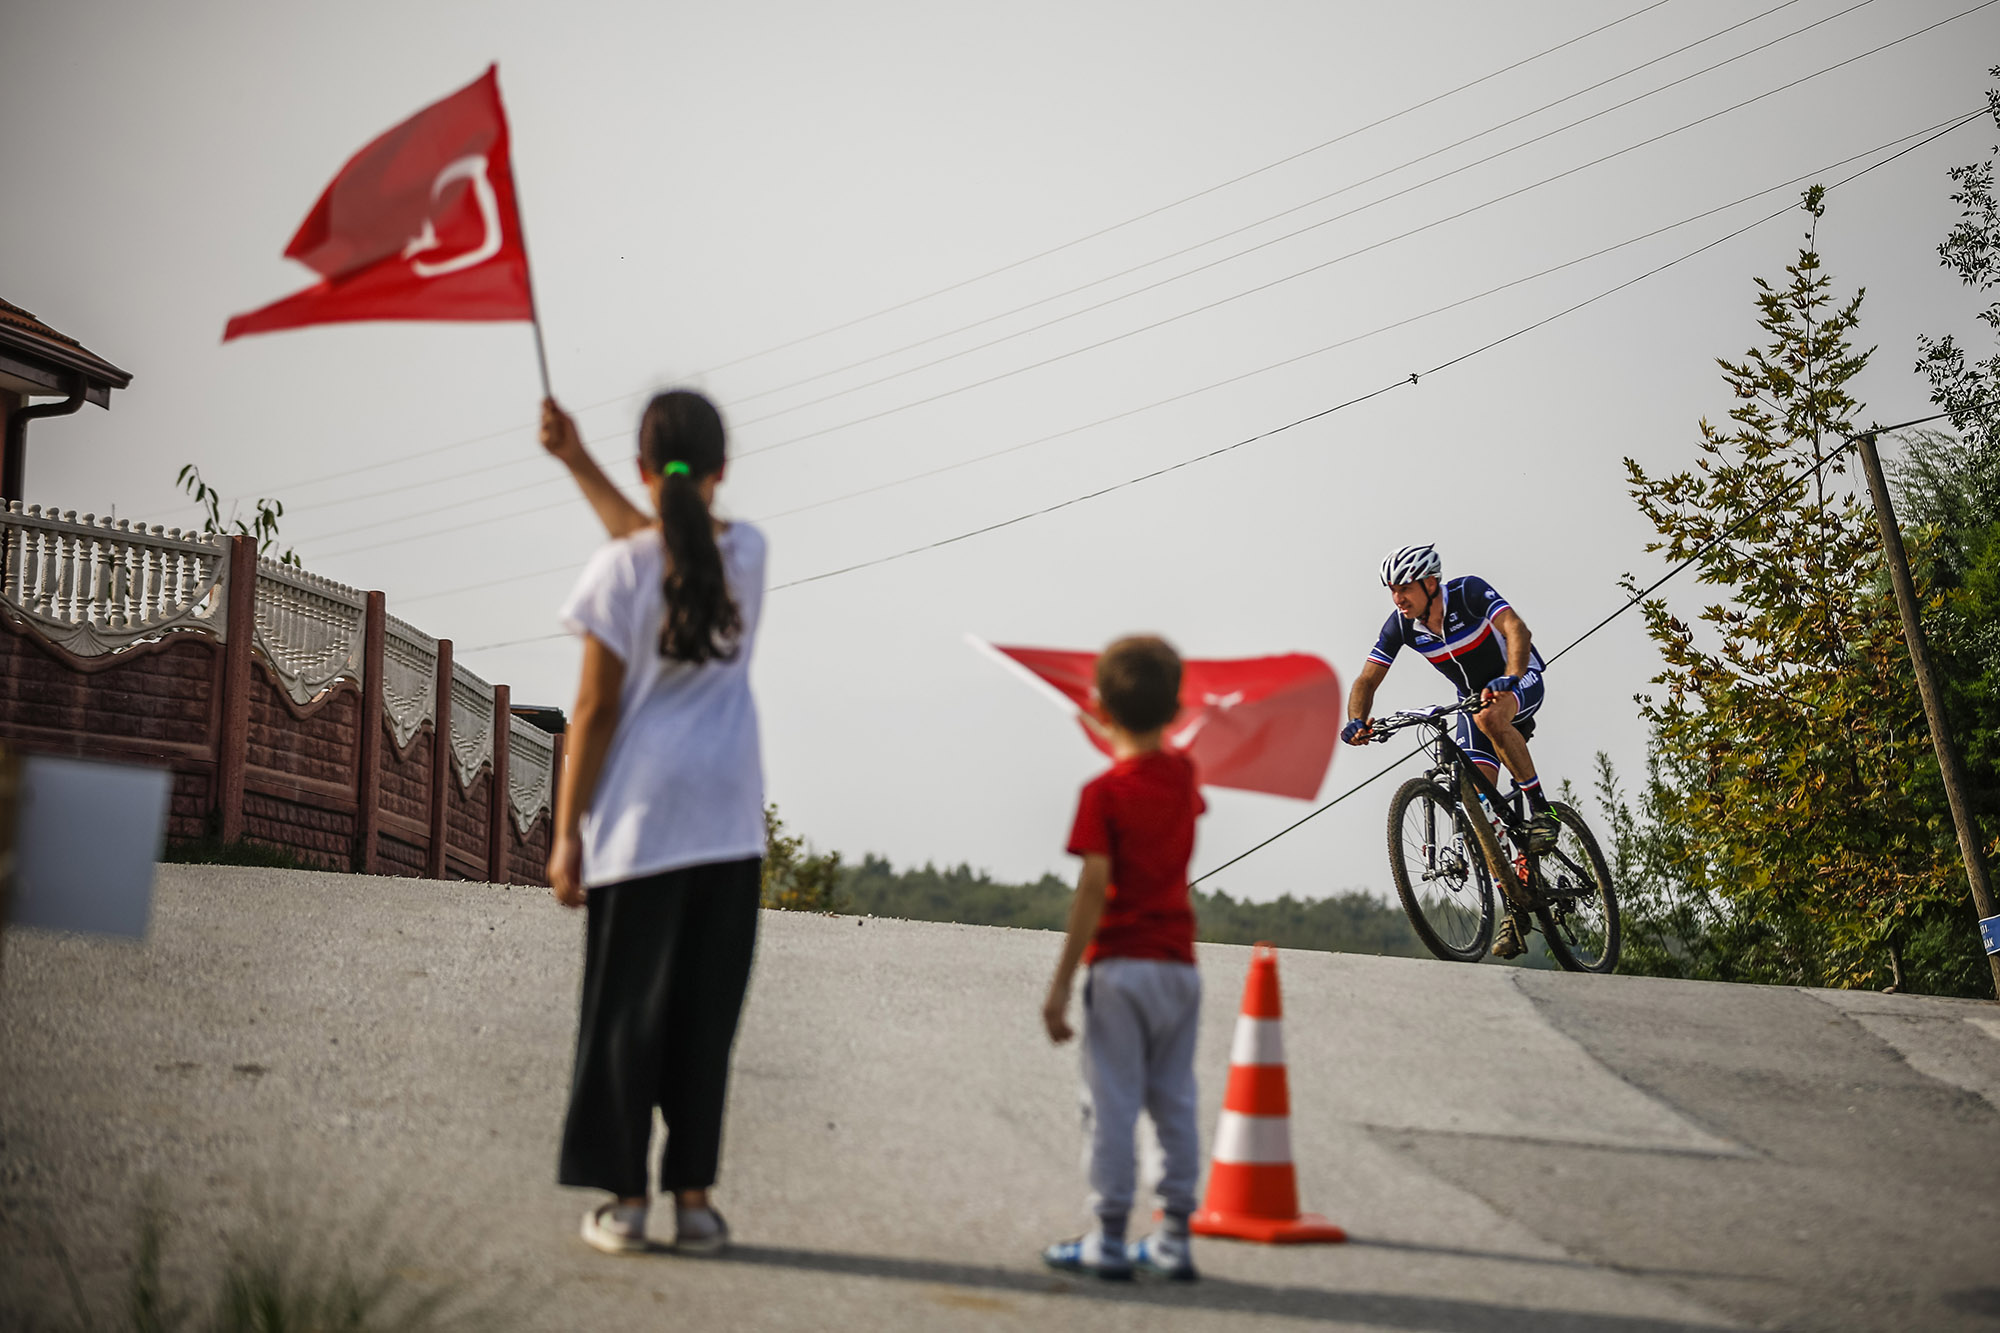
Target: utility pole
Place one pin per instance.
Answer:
(1949, 763)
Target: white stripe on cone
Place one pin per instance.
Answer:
(1253, 1139)
(1258, 1041)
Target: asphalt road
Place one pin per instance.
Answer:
(351, 1061)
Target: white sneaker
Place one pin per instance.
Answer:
(1165, 1255)
(616, 1228)
(699, 1231)
(1093, 1253)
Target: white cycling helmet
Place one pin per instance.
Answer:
(1410, 564)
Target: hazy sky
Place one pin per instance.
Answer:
(703, 184)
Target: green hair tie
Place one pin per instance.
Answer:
(676, 468)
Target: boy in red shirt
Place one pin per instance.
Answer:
(1132, 922)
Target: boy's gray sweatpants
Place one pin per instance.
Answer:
(1140, 1016)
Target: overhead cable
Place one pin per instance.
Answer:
(1341, 258)
(1930, 136)
(541, 483)
(1379, 121)
(740, 399)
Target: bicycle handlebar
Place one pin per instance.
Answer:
(1382, 728)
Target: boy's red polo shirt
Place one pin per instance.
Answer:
(1140, 812)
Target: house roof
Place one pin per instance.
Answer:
(36, 358)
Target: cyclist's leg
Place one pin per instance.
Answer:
(1510, 936)
(1508, 711)
(1496, 721)
(1478, 748)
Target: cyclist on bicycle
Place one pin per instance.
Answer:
(1477, 641)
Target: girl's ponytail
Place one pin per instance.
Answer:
(681, 440)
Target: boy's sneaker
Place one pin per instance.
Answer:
(1090, 1254)
(1165, 1255)
(1507, 941)
(699, 1231)
(616, 1228)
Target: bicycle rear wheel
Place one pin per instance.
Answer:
(1579, 908)
(1440, 875)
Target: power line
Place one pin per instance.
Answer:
(1930, 135)
(1287, 212)
(1412, 380)
(571, 498)
(1190, 198)
(1847, 442)
(1376, 776)
(405, 488)
(1164, 258)
(1337, 259)
(1018, 263)
(531, 485)
(1946, 125)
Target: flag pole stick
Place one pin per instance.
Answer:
(534, 315)
(534, 306)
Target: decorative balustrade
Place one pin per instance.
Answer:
(409, 679)
(337, 794)
(471, 724)
(531, 769)
(309, 628)
(94, 586)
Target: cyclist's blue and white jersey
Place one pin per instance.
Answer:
(1472, 650)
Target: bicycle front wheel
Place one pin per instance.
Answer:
(1440, 875)
(1579, 908)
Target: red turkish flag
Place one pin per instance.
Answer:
(1264, 724)
(420, 224)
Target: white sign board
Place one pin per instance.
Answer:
(87, 837)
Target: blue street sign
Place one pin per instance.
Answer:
(1989, 932)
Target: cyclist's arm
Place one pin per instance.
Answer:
(1519, 642)
(1361, 698)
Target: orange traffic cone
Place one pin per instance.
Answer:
(1253, 1193)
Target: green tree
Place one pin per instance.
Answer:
(796, 879)
(1948, 487)
(1788, 737)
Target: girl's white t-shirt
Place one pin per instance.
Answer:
(683, 783)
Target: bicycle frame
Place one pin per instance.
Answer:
(1468, 785)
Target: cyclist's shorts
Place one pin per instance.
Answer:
(1479, 745)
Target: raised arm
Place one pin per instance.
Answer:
(620, 516)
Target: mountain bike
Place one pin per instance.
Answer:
(1453, 837)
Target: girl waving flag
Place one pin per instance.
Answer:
(660, 828)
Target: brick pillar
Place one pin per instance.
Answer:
(232, 747)
(496, 808)
(555, 782)
(368, 787)
(440, 762)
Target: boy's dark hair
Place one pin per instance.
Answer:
(1139, 682)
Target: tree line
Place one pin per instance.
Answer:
(797, 878)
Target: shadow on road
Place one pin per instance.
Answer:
(1549, 1261)
(1379, 1309)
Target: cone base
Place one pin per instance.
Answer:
(1305, 1229)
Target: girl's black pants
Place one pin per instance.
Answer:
(666, 960)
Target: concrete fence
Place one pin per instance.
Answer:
(294, 711)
